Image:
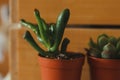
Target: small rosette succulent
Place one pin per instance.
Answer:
(107, 47)
(50, 35)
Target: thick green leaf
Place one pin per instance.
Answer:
(118, 46)
(92, 44)
(30, 39)
(42, 27)
(64, 45)
(109, 47)
(95, 52)
(60, 27)
(102, 41)
(112, 40)
(30, 25)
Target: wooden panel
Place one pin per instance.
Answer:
(27, 57)
(13, 9)
(82, 11)
(13, 54)
(2, 2)
(4, 66)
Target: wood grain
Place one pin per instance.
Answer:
(86, 12)
(4, 66)
(14, 11)
(3, 2)
(13, 54)
(82, 11)
(27, 56)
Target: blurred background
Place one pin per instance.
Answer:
(4, 22)
(89, 18)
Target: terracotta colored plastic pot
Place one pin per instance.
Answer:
(104, 69)
(53, 69)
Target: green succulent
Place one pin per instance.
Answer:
(107, 47)
(50, 35)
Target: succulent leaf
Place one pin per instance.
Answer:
(118, 55)
(109, 47)
(44, 24)
(42, 28)
(92, 44)
(103, 35)
(60, 27)
(102, 41)
(112, 40)
(109, 51)
(30, 26)
(95, 52)
(34, 28)
(64, 45)
(106, 55)
(52, 28)
(118, 46)
(30, 39)
(50, 35)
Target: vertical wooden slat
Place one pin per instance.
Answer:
(14, 11)
(28, 61)
(13, 57)
(13, 54)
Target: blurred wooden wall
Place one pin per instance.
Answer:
(4, 66)
(83, 12)
(2, 2)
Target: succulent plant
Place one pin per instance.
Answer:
(107, 47)
(50, 35)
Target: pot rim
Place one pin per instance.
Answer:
(104, 63)
(64, 64)
(103, 59)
